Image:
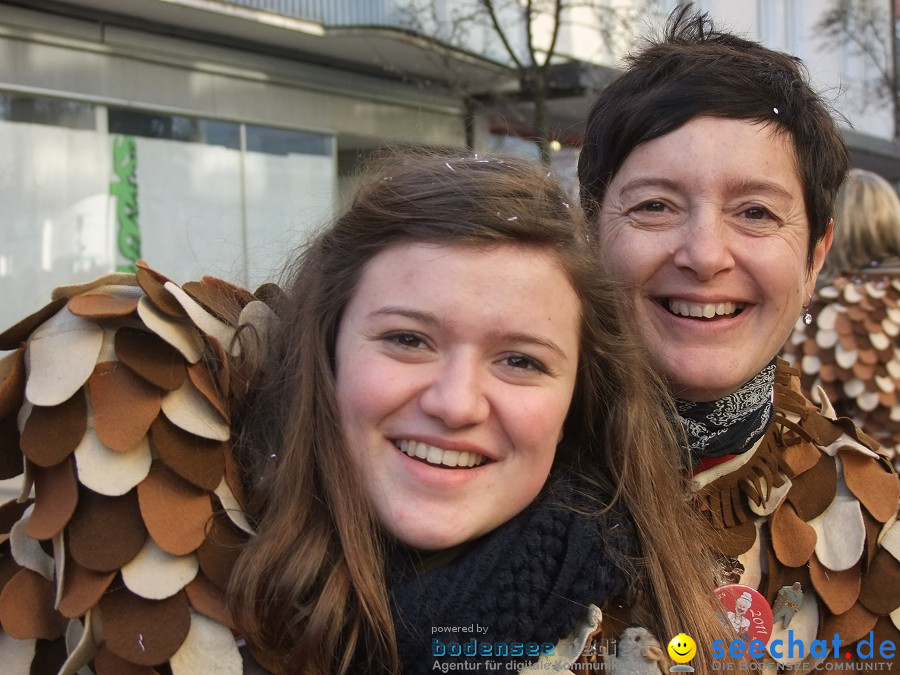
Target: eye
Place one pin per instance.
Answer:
(653, 206)
(405, 340)
(524, 363)
(757, 213)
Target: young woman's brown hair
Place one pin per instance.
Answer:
(309, 591)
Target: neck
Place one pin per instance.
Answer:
(732, 424)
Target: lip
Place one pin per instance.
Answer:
(445, 444)
(435, 476)
(661, 309)
(435, 479)
(699, 299)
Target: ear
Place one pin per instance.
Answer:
(819, 254)
(654, 653)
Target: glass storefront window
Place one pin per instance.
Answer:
(48, 111)
(186, 194)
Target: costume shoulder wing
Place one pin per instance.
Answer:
(116, 403)
(852, 350)
(826, 518)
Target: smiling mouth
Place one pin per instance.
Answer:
(704, 312)
(430, 454)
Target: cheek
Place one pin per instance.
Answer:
(361, 402)
(538, 426)
(631, 255)
(358, 396)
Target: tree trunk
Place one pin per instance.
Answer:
(895, 65)
(469, 122)
(541, 117)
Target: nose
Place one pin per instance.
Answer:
(455, 394)
(704, 247)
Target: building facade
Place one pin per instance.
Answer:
(204, 137)
(212, 136)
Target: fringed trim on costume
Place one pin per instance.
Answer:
(816, 504)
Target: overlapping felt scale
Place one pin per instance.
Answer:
(56, 496)
(51, 434)
(150, 357)
(61, 355)
(175, 512)
(115, 407)
(117, 302)
(206, 638)
(838, 590)
(108, 472)
(114, 387)
(26, 608)
(834, 529)
(145, 632)
(860, 369)
(82, 589)
(28, 552)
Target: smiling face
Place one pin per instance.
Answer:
(708, 223)
(455, 370)
(682, 648)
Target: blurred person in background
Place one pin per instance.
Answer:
(849, 344)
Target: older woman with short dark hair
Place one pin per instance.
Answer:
(710, 169)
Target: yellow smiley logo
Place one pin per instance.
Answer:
(682, 648)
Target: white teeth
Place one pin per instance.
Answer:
(435, 455)
(708, 311)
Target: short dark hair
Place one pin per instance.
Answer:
(697, 70)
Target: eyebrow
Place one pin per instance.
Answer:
(430, 319)
(637, 183)
(739, 186)
(748, 185)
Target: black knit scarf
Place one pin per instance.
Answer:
(529, 581)
(733, 423)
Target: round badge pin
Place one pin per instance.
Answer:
(746, 611)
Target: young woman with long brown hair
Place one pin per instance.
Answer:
(449, 446)
(454, 427)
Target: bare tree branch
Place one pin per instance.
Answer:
(865, 28)
(527, 37)
(557, 21)
(489, 7)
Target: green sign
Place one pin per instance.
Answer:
(125, 190)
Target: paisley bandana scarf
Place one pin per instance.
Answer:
(733, 423)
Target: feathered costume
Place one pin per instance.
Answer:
(811, 502)
(852, 350)
(118, 396)
(117, 406)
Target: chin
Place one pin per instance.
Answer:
(430, 539)
(692, 378)
(705, 390)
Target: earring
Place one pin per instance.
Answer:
(807, 317)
